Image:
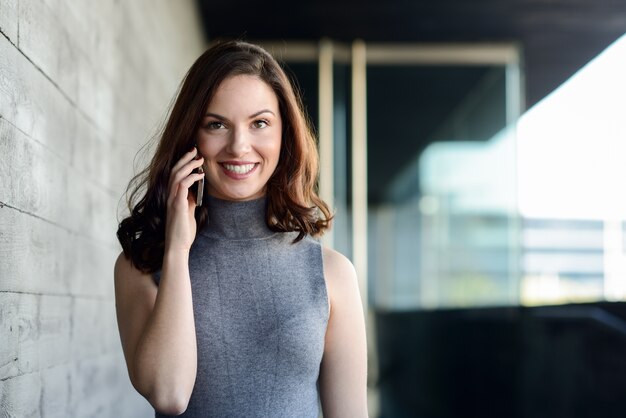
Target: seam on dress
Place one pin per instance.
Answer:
(277, 326)
(223, 337)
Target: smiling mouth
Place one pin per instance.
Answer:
(239, 168)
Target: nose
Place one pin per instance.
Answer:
(239, 143)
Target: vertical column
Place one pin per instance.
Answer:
(514, 91)
(327, 175)
(359, 165)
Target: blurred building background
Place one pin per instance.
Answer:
(472, 152)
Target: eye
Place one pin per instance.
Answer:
(260, 124)
(214, 125)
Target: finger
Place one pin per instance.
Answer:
(191, 179)
(188, 156)
(175, 185)
(185, 184)
(183, 195)
(185, 170)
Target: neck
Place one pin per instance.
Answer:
(236, 219)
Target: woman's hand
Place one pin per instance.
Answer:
(180, 227)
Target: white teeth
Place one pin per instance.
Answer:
(239, 169)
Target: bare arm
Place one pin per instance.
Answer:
(343, 373)
(156, 324)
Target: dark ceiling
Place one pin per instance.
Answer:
(557, 36)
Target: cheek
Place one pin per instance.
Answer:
(272, 155)
(201, 143)
(206, 148)
(273, 147)
(276, 150)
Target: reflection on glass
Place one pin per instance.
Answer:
(571, 180)
(443, 233)
(469, 234)
(532, 215)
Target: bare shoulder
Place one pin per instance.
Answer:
(337, 267)
(124, 267)
(130, 280)
(340, 276)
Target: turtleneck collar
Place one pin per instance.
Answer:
(236, 219)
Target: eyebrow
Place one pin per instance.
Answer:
(254, 115)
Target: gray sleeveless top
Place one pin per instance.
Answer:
(261, 310)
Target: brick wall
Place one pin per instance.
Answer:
(83, 85)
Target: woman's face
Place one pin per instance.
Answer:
(239, 138)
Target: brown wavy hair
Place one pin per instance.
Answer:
(292, 201)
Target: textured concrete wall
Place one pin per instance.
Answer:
(82, 85)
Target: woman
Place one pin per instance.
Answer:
(232, 308)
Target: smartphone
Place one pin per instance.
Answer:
(199, 188)
(199, 185)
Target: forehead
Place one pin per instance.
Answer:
(243, 93)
